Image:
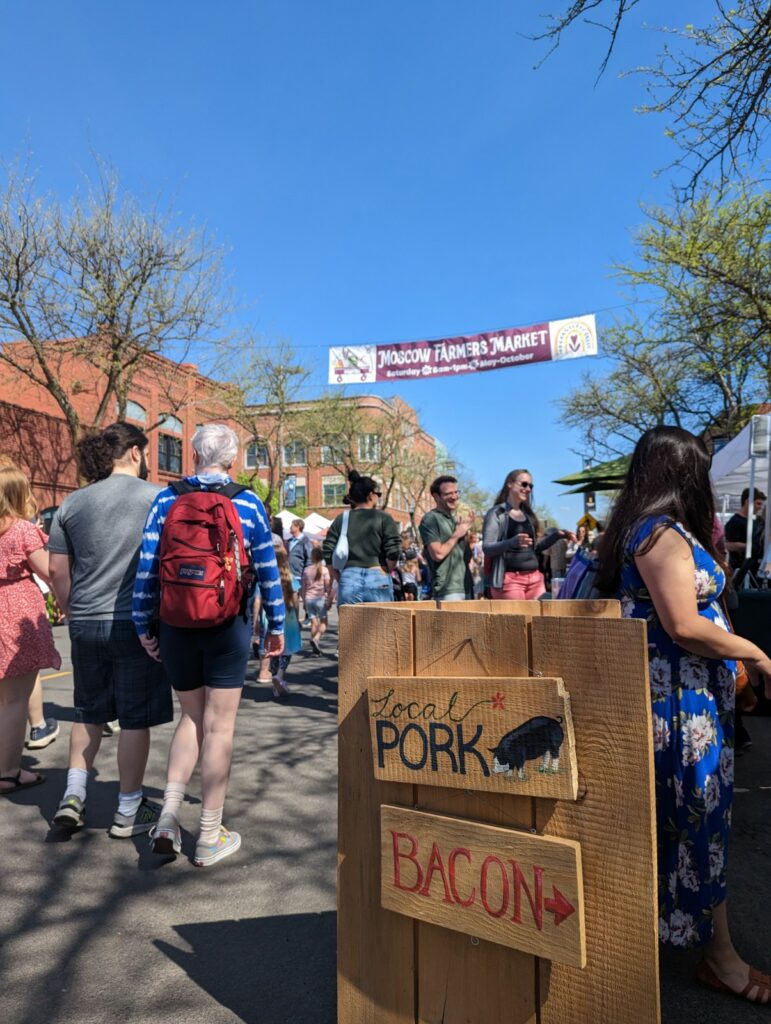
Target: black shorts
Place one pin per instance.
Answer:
(115, 677)
(213, 657)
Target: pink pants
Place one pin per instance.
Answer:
(520, 586)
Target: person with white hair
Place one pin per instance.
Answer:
(206, 664)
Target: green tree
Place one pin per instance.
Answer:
(713, 81)
(702, 358)
(103, 280)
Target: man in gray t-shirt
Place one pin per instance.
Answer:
(94, 549)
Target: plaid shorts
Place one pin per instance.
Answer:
(115, 677)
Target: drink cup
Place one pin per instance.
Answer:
(556, 585)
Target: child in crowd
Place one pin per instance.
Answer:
(410, 577)
(314, 590)
(292, 637)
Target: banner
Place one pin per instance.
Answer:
(471, 353)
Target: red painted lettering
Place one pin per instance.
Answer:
(536, 902)
(411, 856)
(459, 851)
(435, 863)
(504, 883)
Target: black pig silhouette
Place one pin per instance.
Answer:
(538, 737)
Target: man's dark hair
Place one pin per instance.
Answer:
(758, 495)
(97, 453)
(436, 485)
(299, 523)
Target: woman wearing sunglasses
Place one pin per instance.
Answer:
(512, 541)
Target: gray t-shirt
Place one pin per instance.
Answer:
(100, 527)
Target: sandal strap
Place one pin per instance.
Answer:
(15, 779)
(759, 981)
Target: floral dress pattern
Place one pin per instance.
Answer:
(693, 741)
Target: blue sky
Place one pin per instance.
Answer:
(378, 172)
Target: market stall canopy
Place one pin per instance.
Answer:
(316, 525)
(731, 466)
(605, 476)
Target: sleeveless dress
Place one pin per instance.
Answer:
(693, 740)
(26, 640)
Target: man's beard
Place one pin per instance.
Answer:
(143, 470)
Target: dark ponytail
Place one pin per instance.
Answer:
(360, 488)
(97, 453)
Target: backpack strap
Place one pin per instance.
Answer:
(230, 490)
(182, 487)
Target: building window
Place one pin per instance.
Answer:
(169, 454)
(135, 411)
(256, 456)
(369, 448)
(330, 456)
(171, 423)
(300, 494)
(294, 454)
(333, 491)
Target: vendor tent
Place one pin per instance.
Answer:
(744, 462)
(316, 525)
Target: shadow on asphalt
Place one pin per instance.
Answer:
(265, 970)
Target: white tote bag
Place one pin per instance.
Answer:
(340, 554)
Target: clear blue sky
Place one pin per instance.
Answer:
(379, 172)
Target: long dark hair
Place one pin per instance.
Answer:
(668, 476)
(97, 453)
(527, 508)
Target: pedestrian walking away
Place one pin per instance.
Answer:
(93, 563)
(511, 540)
(362, 545)
(315, 592)
(446, 544)
(279, 663)
(658, 557)
(26, 640)
(225, 530)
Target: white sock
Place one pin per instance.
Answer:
(173, 796)
(211, 822)
(39, 725)
(76, 783)
(128, 803)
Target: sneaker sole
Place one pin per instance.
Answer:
(126, 831)
(220, 854)
(166, 846)
(42, 744)
(69, 821)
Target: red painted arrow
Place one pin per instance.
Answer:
(559, 906)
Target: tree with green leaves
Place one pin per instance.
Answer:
(101, 280)
(701, 358)
(713, 80)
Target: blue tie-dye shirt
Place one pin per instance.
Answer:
(258, 541)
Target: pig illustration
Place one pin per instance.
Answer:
(538, 737)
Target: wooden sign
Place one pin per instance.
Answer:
(513, 888)
(501, 735)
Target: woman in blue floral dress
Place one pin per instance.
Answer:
(658, 557)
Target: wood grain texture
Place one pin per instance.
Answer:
(375, 951)
(508, 886)
(593, 609)
(460, 981)
(604, 665)
(488, 607)
(433, 731)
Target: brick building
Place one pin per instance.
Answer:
(169, 400)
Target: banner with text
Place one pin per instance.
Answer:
(472, 353)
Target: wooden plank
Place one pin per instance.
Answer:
(508, 886)
(375, 950)
(488, 607)
(460, 979)
(595, 609)
(604, 665)
(495, 734)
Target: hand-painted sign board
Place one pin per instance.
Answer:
(513, 888)
(501, 735)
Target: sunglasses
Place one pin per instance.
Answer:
(378, 493)
(527, 484)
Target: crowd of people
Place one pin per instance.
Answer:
(198, 577)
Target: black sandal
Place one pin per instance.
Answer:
(18, 784)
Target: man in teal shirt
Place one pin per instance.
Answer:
(444, 538)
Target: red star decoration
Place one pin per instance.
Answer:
(498, 704)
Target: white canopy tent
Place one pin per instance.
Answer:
(316, 525)
(744, 462)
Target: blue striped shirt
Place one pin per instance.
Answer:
(258, 542)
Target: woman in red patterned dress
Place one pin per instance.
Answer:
(26, 640)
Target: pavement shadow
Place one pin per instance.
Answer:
(264, 969)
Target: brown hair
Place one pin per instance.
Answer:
(317, 556)
(16, 500)
(282, 560)
(526, 507)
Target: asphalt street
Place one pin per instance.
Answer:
(95, 929)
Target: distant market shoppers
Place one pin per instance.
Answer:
(314, 592)
(94, 545)
(446, 544)
(299, 549)
(374, 545)
(26, 641)
(511, 538)
(736, 532)
(658, 556)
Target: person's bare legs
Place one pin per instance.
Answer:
(188, 736)
(85, 741)
(133, 750)
(14, 701)
(723, 958)
(35, 713)
(219, 723)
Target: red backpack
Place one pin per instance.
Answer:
(205, 573)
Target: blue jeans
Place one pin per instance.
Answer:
(358, 586)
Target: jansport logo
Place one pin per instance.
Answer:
(573, 338)
(191, 572)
